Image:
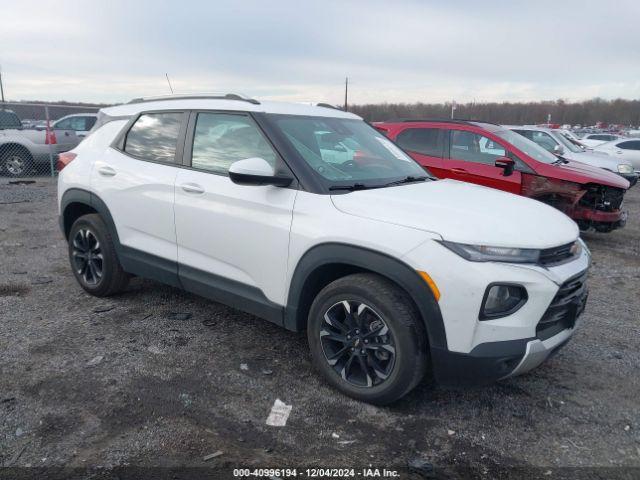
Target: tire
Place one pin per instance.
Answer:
(387, 334)
(16, 163)
(93, 258)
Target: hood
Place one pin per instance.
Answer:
(599, 160)
(582, 173)
(463, 212)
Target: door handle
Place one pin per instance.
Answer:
(192, 188)
(459, 170)
(106, 171)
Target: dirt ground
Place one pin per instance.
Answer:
(160, 378)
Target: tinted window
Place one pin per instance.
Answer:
(630, 145)
(154, 137)
(9, 120)
(604, 138)
(427, 141)
(472, 147)
(89, 122)
(221, 139)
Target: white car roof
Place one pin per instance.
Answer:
(204, 102)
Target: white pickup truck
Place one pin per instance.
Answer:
(22, 150)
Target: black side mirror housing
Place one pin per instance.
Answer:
(507, 164)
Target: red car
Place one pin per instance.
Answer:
(491, 155)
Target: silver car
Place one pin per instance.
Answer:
(556, 143)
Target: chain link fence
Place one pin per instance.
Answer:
(33, 135)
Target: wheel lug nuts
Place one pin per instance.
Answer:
(366, 341)
(362, 351)
(353, 349)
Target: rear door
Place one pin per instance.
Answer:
(472, 159)
(426, 146)
(232, 238)
(136, 179)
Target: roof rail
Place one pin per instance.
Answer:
(197, 96)
(328, 105)
(443, 120)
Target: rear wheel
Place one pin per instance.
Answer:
(93, 257)
(367, 339)
(16, 163)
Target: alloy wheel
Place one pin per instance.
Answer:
(87, 256)
(15, 165)
(357, 343)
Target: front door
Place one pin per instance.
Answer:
(472, 159)
(231, 238)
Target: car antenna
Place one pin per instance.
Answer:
(169, 82)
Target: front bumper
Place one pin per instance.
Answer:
(482, 351)
(489, 362)
(632, 178)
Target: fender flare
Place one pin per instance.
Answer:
(78, 195)
(366, 259)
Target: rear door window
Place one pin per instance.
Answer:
(154, 137)
(472, 147)
(426, 141)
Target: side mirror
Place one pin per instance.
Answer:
(558, 149)
(256, 171)
(507, 164)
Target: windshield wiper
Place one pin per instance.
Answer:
(407, 179)
(560, 161)
(352, 187)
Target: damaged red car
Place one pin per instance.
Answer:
(491, 155)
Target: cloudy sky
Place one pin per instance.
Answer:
(111, 51)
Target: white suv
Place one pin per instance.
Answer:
(390, 272)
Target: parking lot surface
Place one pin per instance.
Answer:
(159, 377)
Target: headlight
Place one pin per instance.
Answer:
(483, 253)
(625, 168)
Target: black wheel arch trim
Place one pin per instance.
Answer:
(368, 260)
(132, 261)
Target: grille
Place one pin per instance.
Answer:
(555, 255)
(565, 307)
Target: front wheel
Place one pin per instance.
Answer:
(367, 339)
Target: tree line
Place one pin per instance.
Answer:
(588, 112)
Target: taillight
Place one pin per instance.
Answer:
(64, 159)
(50, 137)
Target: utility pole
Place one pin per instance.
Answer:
(453, 108)
(346, 93)
(1, 87)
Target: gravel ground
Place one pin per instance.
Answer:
(156, 377)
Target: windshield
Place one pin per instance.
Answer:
(347, 151)
(566, 143)
(527, 146)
